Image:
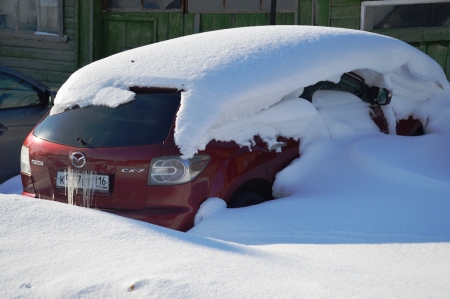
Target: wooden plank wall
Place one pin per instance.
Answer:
(305, 12)
(126, 30)
(321, 12)
(345, 13)
(217, 21)
(48, 62)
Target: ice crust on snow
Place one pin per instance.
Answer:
(228, 77)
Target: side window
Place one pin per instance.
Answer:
(16, 93)
(404, 14)
(32, 16)
(347, 84)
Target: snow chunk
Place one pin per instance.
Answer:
(209, 207)
(108, 96)
(232, 75)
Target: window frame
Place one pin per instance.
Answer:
(38, 34)
(366, 4)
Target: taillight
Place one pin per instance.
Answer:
(25, 160)
(174, 170)
(27, 184)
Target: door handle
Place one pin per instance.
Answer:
(3, 128)
(277, 145)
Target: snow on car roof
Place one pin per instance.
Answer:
(232, 75)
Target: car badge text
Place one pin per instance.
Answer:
(77, 159)
(36, 162)
(129, 170)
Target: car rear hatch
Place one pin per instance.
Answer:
(100, 156)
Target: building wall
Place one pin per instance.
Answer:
(345, 13)
(48, 61)
(118, 31)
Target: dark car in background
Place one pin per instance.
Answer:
(125, 161)
(23, 102)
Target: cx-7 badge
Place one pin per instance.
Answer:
(132, 170)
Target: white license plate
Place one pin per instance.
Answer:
(100, 182)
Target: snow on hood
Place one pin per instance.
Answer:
(232, 75)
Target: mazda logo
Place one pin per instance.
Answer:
(77, 159)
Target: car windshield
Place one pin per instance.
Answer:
(145, 120)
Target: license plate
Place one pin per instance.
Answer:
(82, 180)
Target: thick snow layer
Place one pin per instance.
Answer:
(231, 75)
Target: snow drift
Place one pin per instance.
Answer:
(352, 184)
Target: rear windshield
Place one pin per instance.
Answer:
(145, 120)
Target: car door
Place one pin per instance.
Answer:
(23, 102)
(277, 161)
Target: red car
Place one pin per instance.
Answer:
(139, 175)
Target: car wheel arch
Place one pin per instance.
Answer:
(257, 185)
(226, 182)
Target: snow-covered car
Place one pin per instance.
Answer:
(23, 102)
(151, 133)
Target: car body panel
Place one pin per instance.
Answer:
(409, 127)
(130, 193)
(276, 161)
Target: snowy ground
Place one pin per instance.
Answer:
(359, 215)
(52, 250)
